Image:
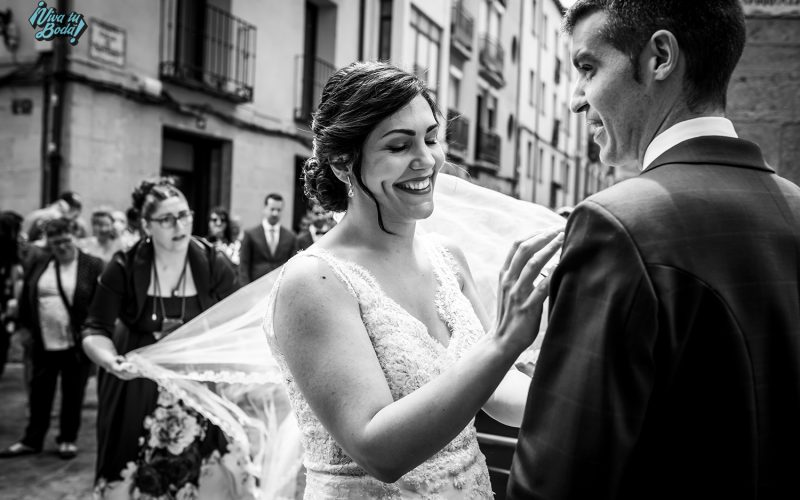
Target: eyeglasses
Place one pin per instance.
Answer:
(169, 221)
(217, 220)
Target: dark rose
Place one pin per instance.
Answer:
(148, 479)
(184, 468)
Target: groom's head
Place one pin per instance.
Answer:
(644, 65)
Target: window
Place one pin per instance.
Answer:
(529, 172)
(544, 30)
(533, 17)
(566, 177)
(532, 90)
(491, 112)
(427, 41)
(542, 92)
(540, 164)
(557, 75)
(385, 31)
(454, 91)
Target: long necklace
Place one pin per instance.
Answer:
(157, 289)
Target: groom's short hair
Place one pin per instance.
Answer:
(710, 33)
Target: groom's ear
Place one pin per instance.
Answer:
(663, 55)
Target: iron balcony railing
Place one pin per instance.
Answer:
(463, 25)
(206, 48)
(492, 55)
(457, 135)
(311, 74)
(488, 147)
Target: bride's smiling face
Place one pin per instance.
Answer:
(400, 160)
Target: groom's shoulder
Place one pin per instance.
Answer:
(628, 196)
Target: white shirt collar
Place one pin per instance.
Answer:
(267, 226)
(685, 130)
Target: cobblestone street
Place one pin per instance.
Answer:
(44, 476)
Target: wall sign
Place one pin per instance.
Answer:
(106, 43)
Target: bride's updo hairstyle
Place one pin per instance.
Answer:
(149, 194)
(354, 101)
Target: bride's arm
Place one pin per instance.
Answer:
(507, 403)
(321, 335)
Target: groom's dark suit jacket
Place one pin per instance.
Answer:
(671, 365)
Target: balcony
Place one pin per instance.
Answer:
(457, 135)
(462, 29)
(206, 48)
(492, 58)
(487, 149)
(311, 74)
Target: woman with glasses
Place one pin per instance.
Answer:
(220, 234)
(144, 294)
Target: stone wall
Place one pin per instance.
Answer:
(764, 93)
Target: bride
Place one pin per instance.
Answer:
(378, 330)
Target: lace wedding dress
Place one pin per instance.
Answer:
(220, 364)
(410, 358)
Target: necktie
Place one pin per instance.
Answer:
(272, 242)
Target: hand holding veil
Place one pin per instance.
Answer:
(220, 363)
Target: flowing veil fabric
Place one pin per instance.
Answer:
(220, 364)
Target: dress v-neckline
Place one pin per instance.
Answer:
(438, 295)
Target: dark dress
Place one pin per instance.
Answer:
(123, 310)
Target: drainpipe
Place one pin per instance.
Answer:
(361, 8)
(54, 99)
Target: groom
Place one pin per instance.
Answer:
(671, 365)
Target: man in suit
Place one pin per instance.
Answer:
(58, 288)
(671, 365)
(267, 246)
(321, 223)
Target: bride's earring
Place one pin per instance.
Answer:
(350, 193)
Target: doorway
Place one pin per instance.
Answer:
(201, 166)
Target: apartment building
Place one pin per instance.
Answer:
(219, 93)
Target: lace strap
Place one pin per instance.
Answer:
(443, 261)
(338, 267)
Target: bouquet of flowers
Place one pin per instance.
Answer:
(180, 460)
(170, 460)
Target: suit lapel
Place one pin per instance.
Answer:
(260, 238)
(283, 241)
(714, 150)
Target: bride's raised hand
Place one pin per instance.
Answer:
(519, 301)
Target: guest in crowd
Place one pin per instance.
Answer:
(220, 234)
(128, 234)
(321, 223)
(163, 281)
(68, 205)
(105, 240)
(268, 245)
(58, 289)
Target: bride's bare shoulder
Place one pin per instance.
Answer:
(311, 278)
